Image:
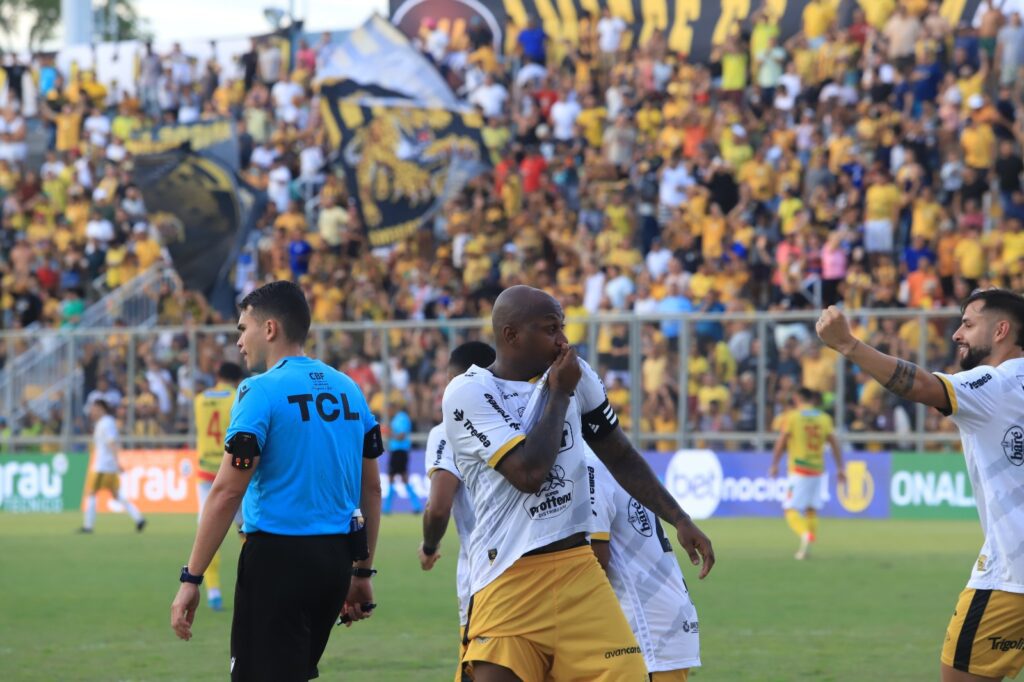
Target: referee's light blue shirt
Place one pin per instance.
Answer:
(311, 422)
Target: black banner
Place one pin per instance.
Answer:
(215, 138)
(401, 163)
(204, 214)
(691, 27)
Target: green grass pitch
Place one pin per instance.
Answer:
(872, 603)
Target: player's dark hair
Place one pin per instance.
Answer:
(471, 353)
(808, 395)
(1003, 301)
(229, 371)
(103, 405)
(282, 301)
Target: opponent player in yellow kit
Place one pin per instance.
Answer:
(805, 430)
(985, 637)
(213, 413)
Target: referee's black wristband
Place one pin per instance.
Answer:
(430, 550)
(364, 572)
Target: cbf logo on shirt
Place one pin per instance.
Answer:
(553, 498)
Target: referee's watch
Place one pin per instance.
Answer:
(364, 572)
(187, 577)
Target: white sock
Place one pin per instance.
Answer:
(133, 511)
(90, 512)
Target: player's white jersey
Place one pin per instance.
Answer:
(645, 575)
(104, 442)
(438, 455)
(988, 406)
(485, 418)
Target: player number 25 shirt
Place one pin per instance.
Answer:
(987, 403)
(485, 418)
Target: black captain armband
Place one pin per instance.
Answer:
(373, 444)
(244, 449)
(599, 422)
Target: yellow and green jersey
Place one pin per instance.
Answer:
(808, 432)
(213, 414)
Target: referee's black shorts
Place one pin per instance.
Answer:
(289, 593)
(398, 463)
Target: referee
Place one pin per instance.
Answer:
(302, 433)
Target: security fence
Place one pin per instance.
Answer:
(718, 380)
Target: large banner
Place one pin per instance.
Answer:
(204, 213)
(931, 487)
(42, 483)
(156, 481)
(215, 138)
(691, 27)
(402, 163)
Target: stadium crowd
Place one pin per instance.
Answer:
(876, 164)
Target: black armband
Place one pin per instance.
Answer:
(599, 422)
(373, 444)
(244, 449)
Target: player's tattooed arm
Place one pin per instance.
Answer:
(634, 474)
(902, 379)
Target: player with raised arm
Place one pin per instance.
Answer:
(986, 401)
(448, 496)
(541, 607)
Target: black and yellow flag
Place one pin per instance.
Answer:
(204, 213)
(401, 163)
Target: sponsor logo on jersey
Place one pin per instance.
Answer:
(501, 413)
(553, 498)
(615, 653)
(326, 404)
(473, 431)
(242, 392)
(692, 627)
(440, 451)
(977, 383)
(1003, 644)
(506, 396)
(492, 554)
(639, 519)
(567, 438)
(1013, 445)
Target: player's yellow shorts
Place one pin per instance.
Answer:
(671, 676)
(464, 673)
(554, 617)
(986, 634)
(101, 481)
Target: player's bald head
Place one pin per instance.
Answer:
(519, 305)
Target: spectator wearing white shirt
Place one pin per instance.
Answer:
(263, 156)
(564, 113)
(285, 95)
(675, 179)
(278, 185)
(437, 42)
(609, 35)
(97, 128)
(658, 259)
(99, 228)
(490, 97)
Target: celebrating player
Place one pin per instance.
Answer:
(986, 401)
(805, 431)
(541, 606)
(447, 494)
(632, 548)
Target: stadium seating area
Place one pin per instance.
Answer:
(877, 165)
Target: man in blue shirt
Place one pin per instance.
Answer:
(399, 445)
(301, 433)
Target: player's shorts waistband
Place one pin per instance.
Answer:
(527, 561)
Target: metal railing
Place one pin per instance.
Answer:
(134, 358)
(43, 365)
